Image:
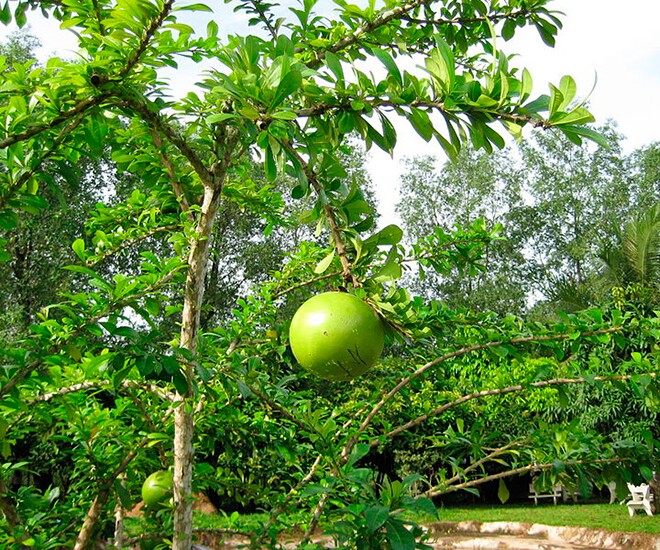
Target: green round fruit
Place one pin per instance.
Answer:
(157, 488)
(336, 336)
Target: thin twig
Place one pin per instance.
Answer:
(503, 391)
(441, 489)
(450, 355)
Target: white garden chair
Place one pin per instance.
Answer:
(640, 499)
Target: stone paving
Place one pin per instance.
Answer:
(474, 535)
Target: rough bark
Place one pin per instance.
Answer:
(85, 536)
(184, 423)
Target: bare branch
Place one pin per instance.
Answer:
(503, 391)
(129, 384)
(443, 489)
(450, 355)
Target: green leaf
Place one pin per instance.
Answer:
(194, 7)
(502, 491)
(389, 235)
(284, 115)
(335, 66)
(593, 135)
(558, 466)
(646, 472)
(392, 269)
(556, 100)
(423, 505)
(5, 14)
(576, 116)
(568, 89)
(78, 247)
(219, 117)
(19, 15)
(375, 517)
(526, 85)
(398, 536)
(541, 103)
(421, 122)
(359, 451)
(123, 493)
(440, 65)
(289, 84)
(386, 59)
(270, 166)
(323, 265)
(508, 29)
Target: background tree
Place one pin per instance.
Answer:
(631, 259)
(557, 203)
(464, 190)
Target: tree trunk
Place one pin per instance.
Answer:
(91, 519)
(183, 462)
(184, 421)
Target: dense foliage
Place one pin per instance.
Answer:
(152, 342)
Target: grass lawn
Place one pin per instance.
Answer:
(613, 517)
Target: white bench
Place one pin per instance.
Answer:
(554, 495)
(641, 498)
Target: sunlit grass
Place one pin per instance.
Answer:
(613, 517)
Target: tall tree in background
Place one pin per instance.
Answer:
(471, 187)
(632, 259)
(38, 243)
(578, 195)
(557, 202)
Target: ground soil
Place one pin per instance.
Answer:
(475, 535)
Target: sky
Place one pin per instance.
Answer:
(612, 44)
(601, 42)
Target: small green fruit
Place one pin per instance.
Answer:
(157, 488)
(336, 336)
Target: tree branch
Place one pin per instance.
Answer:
(94, 512)
(157, 123)
(335, 230)
(25, 176)
(27, 370)
(357, 34)
(450, 355)
(171, 172)
(503, 391)
(505, 449)
(148, 35)
(443, 490)
(8, 507)
(79, 108)
(82, 386)
(492, 17)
